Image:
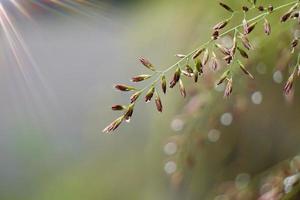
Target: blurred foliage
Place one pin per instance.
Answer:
(259, 137)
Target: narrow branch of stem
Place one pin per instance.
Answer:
(254, 19)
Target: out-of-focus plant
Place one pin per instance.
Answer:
(213, 54)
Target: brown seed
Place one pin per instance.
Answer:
(182, 89)
(233, 48)
(149, 94)
(251, 28)
(242, 52)
(129, 112)
(187, 74)
(180, 55)
(246, 42)
(223, 49)
(261, 8)
(176, 77)
(196, 76)
(223, 77)
(220, 25)
(135, 96)
(295, 43)
(295, 15)
(198, 66)
(228, 59)
(140, 78)
(205, 57)
(213, 62)
(215, 35)
(147, 63)
(172, 84)
(245, 26)
(245, 8)
(118, 107)
(114, 125)
(270, 8)
(267, 27)
(286, 16)
(228, 89)
(226, 7)
(242, 67)
(124, 88)
(198, 53)
(189, 69)
(163, 84)
(158, 103)
(289, 84)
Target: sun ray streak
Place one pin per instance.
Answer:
(34, 84)
(20, 8)
(29, 84)
(23, 46)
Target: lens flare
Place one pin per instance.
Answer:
(33, 86)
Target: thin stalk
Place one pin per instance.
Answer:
(257, 19)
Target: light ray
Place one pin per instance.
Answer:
(20, 8)
(33, 85)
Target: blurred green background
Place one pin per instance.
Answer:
(55, 105)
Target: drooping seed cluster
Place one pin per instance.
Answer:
(211, 55)
(292, 14)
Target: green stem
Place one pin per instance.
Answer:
(254, 19)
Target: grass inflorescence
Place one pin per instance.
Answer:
(209, 54)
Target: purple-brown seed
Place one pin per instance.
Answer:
(147, 63)
(149, 94)
(114, 125)
(163, 84)
(226, 7)
(289, 84)
(158, 103)
(245, 8)
(176, 77)
(198, 53)
(270, 8)
(129, 112)
(118, 107)
(220, 25)
(267, 27)
(205, 57)
(242, 67)
(242, 52)
(135, 96)
(261, 8)
(140, 78)
(182, 89)
(228, 89)
(245, 42)
(124, 88)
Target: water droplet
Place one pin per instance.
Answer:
(177, 125)
(261, 68)
(257, 98)
(277, 77)
(290, 181)
(226, 119)
(170, 167)
(297, 34)
(170, 148)
(242, 180)
(227, 41)
(214, 135)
